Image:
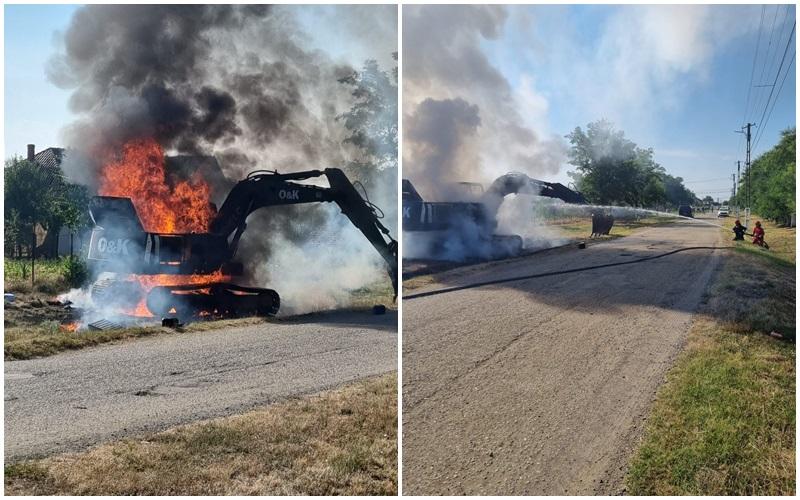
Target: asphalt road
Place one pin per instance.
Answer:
(76, 399)
(542, 386)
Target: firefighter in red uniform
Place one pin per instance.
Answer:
(758, 235)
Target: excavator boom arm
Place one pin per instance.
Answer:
(265, 189)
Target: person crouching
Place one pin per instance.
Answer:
(758, 235)
(738, 231)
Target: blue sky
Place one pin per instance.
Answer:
(686, 107)
(35, 109)
(689, 74)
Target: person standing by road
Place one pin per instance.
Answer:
(738, 231)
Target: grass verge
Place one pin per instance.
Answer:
(33, 327)
(582, 227)
(724, 421)
(781, 240)
(341, 442)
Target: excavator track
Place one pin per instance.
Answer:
(216, 299)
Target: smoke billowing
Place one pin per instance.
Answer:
(244, 83)
(462, 119)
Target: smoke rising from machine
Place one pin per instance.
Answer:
(464, 122)
(244, 83)
(462, 119)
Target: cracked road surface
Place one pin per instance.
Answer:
(542, 386)
(76, 399)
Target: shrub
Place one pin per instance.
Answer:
(75, 271)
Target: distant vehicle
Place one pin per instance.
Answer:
(685, 211)
(723, 212)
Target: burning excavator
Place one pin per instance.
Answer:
(480, 211)
(189, 274)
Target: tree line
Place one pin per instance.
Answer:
(613, 170)
(771, 181)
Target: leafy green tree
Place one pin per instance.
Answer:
(772, 180)
(613, 170)
(35, 195)
(677, 193)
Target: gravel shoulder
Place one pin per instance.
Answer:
(542, 386)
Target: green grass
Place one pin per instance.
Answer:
(48, 275)
(724, 422)
(582, 227)
(341, 442)
(782, 242)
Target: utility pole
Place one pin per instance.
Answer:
(746, 130)
(736, 183)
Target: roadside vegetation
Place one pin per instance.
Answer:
(613, 170)
(37, 326)
(581, 228)
(724, 422)
(772, 180)
(52, 276)
(781, 241)
(340, 442)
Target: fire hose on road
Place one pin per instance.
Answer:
(556, 273)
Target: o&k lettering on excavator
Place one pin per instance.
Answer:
(113, 246)
(289, 194)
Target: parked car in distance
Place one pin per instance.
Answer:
(723, 211)
(685, 211)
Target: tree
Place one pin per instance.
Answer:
(613, 170)
(372, 123)
(35, 195)
(372, 120)
(772, 180)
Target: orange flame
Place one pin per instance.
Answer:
(148, 282)
(69, 327)
(138, 173)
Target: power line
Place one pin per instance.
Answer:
(779, 40)
(760, 132)
(753, 69)
(778, 94)
(706, 180)
(760, 95)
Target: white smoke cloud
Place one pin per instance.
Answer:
(643, 61)
(444, 63)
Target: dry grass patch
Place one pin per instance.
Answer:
(341, 442)
(582, 227)
(724, 422)
(32, 325)
(782, 241)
